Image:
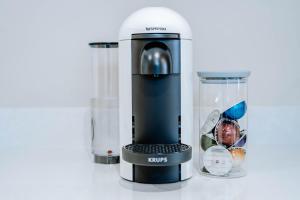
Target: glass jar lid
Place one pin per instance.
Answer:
(224, 76)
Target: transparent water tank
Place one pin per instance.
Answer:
(223, 123)
(104, 102)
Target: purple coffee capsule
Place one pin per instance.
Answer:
(242, 141)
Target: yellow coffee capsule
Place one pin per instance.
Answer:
(238, 155)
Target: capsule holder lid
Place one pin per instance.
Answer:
(224, 74)
(222, 77)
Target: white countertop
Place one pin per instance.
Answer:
(45, 154)
(58, 173)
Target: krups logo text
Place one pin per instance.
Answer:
(158, 160)
(156, 28)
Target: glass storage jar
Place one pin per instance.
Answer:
(223, 123)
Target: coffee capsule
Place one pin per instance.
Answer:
(242, 141)
(238, 155)
(217, 160)
(237, 111)
(207, 140)
(227, 132)
(210, 122)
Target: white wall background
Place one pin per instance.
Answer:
(45, 57)
(45, 71)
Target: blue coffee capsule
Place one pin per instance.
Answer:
(237, 111)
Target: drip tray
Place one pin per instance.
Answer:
(157, 154)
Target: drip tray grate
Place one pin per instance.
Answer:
(157, 154)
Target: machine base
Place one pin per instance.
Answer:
(157, 175)
(156, 163)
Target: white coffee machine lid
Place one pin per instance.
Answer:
(155, 20)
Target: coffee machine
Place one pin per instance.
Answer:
(155, 97)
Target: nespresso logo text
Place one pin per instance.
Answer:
(156, 28)
(158, 160)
